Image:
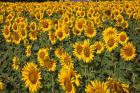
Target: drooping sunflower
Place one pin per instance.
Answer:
(128, 51)
(15, 63)
(97, 87)
(122, 38)
(116, 86)
(68, 78)
(109, 31)
(99, 46)
(88, 50)
(31, 76)
(1, 85)
(45, 24)
(48, 63)
(78, 50)
(111, 43)
(66, 60)
(42, 53)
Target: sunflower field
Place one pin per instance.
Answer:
(70, 47)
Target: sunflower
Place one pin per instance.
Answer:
(1, 19)
(52, 37)
(33, 26)
(90, 31)
(45, 24)
(16, 38)
(122, 38)
(88, 50)
(42, 54)
(28, 50)
(68, 78)
(59, 52)
(128, 51)
(111, 43)
(33, 35)
(66, 60)
(99, 46)
(78, 50)
(80, 23)
(109, 31)
(76, 31)
(15, 63)
(1, 85)
(60, 34)
(124, 25)
(6, 32)
(97, 87)
(116, 86)
(15, 27)
(48, 63)
(31, 76)
(39, 15)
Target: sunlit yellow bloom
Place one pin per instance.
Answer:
(42, 54)
(6, 32)
(66, 60)
(97, 87)
(88, 50)
(111, 43)
(45, 25)
(90, 31)
(128, 51)
(28, 50)
(33, 26)
(109, 31)
(68, 78)
(1, 86)
(16, 37)
(80, 23)
(116, 86)
(52, 37)
(31, 76)
(15, 63)
(99, 46)
(59, 52)
(60, 34)
(78, 50)
(48, 63)
(122, 38)
(33, 35)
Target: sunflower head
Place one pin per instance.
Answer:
(15, 63)
(97, 87)
(31, 76)
(117, 86)
(99, 47)
(122, 38)
(88, 50)
(128, 51)
(1, 85)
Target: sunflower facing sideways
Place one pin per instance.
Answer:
(88, 50)
(128, 51)
(97, 87)
(99, 46)
(48, 63)
(68, 79)
(116, 86)
(31, 76)
(78, 49)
